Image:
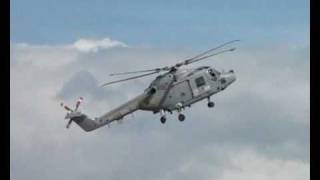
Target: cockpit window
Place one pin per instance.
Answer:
(212, 73)
(200, 81)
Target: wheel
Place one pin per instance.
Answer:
(181, 117)
(163, 119)
(210, 104)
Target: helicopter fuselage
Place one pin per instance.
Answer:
(181, 88)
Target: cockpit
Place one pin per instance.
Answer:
(213, 73)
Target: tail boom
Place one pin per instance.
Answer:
(88, 124)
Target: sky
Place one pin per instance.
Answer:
(258, 129)
(160, 23)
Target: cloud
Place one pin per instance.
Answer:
(60, 54)
(90, 45)
(225, 163)
(259, 124)
(83, 83)
(250, 165)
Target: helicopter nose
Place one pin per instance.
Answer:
(231, 77)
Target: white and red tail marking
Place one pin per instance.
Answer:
(79, 102)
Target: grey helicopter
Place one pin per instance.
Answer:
(173, 90)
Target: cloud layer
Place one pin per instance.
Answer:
(90, 45)
(259, 128)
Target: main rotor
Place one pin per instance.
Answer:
(204, 55)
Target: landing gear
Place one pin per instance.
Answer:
(163, 119)
(181, 117)
(163, 116)
(210, 103)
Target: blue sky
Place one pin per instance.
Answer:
(160, 23)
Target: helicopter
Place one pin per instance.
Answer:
(173, 90)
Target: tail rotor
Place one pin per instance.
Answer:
(65, 107)
(78, 103)
(69, 110)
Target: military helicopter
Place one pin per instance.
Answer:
(173, 90)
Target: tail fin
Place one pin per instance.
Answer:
(81, 119)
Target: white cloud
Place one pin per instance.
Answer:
(226, 163)
(55, 56)
(247, 165)
(91, 45)
(265, 110)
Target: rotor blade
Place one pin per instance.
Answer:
(166, 68)
(185, 62)
(69, 123)
(205, 57)
(212, 49)
(134, 72)
(78, 103)
(127, 79)
(65, 107)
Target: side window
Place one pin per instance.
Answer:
(200, 81)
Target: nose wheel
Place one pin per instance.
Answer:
(210, 104)
(163, 119)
